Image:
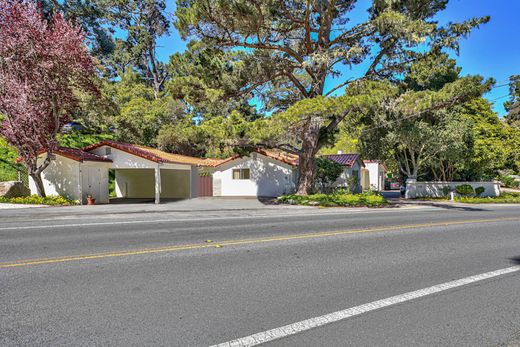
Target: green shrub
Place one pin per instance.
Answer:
(479, 190)
(504, 198)
(8, 164)
(327, 172)
(465, 190)
(509, 182)
(52, 200)
(339, 198)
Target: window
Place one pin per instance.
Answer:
(241, 174)
(108, 150)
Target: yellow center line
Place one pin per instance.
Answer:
(173, 248)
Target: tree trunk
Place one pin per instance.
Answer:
(307, 167)
(307, 164)
(40, 189)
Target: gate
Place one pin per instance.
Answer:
(205, 184)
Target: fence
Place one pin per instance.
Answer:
(22, 176)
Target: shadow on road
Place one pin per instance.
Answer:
(515, 260)
(453, 207)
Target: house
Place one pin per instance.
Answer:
(377, 173)
(351, 177)
(148, 173)
(262, 173)
(75, 174)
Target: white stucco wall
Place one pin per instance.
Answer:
(74, 180)
(377, 176)
(268, 177)
(124, 160)
(415, 189)
(342, 180)
(61, 177)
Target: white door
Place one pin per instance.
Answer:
(92, 182)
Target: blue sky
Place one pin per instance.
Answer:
(491, 51)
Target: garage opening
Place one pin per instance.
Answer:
(139, 184)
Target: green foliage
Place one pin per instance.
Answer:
(327, 172)
(79, 140)
(215, 137)
(51, 200)
(210, 81)
(336, 199)
(504, 198)
(8, 166)
(509, 182)
(512, 106)
(465, 190)
(423, 126)
(479, 191)
(141, 115)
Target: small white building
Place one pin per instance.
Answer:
(352, 167)
(377, 173)
(75, 174)
(263, 173)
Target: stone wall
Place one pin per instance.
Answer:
(13, 189)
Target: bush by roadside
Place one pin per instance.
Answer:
(504, 198)
(36, 200)
(341, 198)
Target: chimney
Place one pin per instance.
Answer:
(340, 152)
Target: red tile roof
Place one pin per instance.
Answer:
(282, 156)
(159, 156)
(348, 159)
(154, 154)
(79, 155)
(74, 154)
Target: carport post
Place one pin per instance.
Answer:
(157, 184)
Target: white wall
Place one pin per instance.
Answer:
(122, 159)
(377, 173)
(342, 180)
(61, 177)
(416, 189)
(268, 177)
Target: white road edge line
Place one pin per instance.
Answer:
(298, 327)
(303, 213)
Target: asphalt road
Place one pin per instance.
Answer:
(106, 277)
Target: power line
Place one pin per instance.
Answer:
(500, 97)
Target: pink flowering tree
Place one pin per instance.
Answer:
(43, 63)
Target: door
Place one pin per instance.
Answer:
(92, 182)
(205, 185)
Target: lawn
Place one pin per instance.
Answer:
(367, 199)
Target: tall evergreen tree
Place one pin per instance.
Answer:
(301, 44)
(512, 106)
